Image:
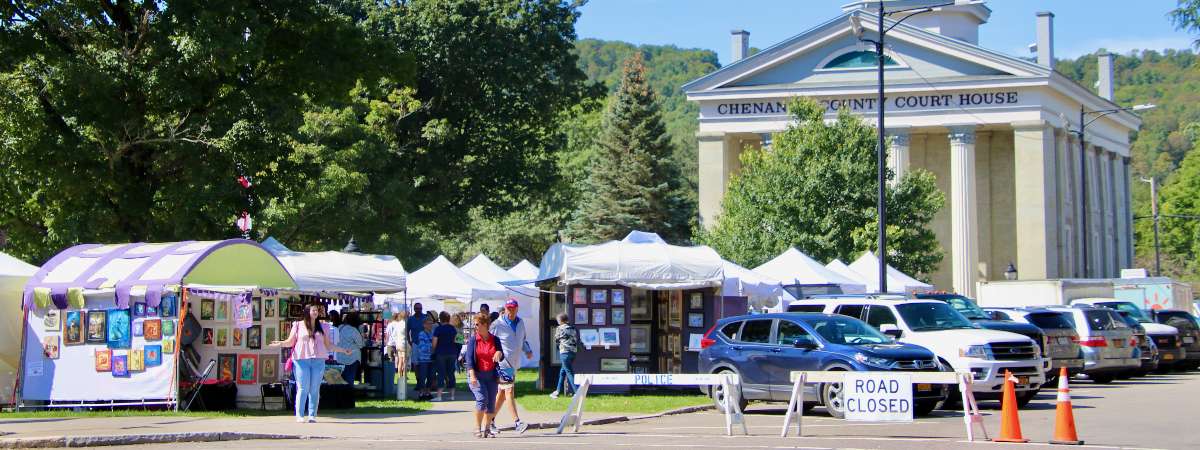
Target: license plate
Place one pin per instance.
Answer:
(1167, 356)
(1189, 340)
(1022, 380)
(1062, 340)
(1119, 343)
(924, 387)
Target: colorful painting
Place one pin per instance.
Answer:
(581, 316)
(139, 327)
(222, 336)
(222, 310)
(50, 346)
(166, 307)
(599, 316)
(268, 368)
(696, 320)
(154, 355)
(618, 316)
(256, 308)
(120, 365)
(600, 296)
(96, 330)
(247, 366)
(285, 328)
(168, 327)
(238, 333)
(153, 329)
(208, 336)
(137, 360)
(254, 337)
(53, 320)
(268, 310)
(120, 328)
(243, 313)
(696, 301)
(104, 360)
(579, 296)
(73, 328)
(225, 366)
(168, 346)
(206, 309)
(618, 297)
(151, 311)
(139, 309)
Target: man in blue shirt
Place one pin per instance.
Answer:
(416, 323)
(511, 332)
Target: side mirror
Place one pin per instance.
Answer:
(805, 344)
(891, 330)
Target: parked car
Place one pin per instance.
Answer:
(959, 344)
(972, 312)
(1061, 343)
(1189, 334)
(1146, 352)
(764, 349)
(1105, 341)
(1170, 355)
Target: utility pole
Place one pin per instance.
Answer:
(1154, 216)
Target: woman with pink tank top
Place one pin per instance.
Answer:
(310, 344)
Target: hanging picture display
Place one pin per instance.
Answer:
(243, 313)
(73, 328)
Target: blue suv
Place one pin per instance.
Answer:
(764, 349)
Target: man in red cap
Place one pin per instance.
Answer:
(511, 332)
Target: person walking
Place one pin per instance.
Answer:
(484, 352)
(351, 339)
(445, 354)
(310, 344)
(511, 332)
(415, 325)
(423, 355)
(397, 349)
(567, 338)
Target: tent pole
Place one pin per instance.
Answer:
(16, 397)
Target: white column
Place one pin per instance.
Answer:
(1095, 226)
(898, 153)
(1036, 200)
(1077, 190)
(1112, 261)
(964, 222)
(718, 159)
(1066, 210)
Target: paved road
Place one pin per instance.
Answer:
(1154, 412)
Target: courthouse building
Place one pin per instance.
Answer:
(996, 130)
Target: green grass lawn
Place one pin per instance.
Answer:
(533, 399)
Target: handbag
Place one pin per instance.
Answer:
(505, 374)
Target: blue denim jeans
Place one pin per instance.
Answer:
(445, 370)
(309, 373)
(566, 373)
(425, 375)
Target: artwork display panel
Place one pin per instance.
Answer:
(120, 328)
(73, 328)
(247, 369)
(226, 365)
(154, 355)
(152, 329)
(206, 309)
(222, 313)
(97, 330)
(103, 360)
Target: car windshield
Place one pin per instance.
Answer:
(932, 316)
(1050, 320)
(846, 331)
(1128, 308)
(967, 308)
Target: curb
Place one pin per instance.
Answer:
(134, 439)
(615, 419)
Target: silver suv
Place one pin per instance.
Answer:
(1109, 346)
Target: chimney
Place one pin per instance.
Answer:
(741, 45)
(1104, 83)
(1045, 38)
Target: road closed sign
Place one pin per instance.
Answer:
(878, 397)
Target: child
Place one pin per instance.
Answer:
(423, 348)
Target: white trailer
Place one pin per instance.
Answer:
(1018, 293)
(1155, 293)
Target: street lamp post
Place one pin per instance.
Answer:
(880, 150)
(1083, 191)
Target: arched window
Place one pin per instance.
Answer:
(859, 59)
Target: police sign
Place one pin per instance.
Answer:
(878, 397)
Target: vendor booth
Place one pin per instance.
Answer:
(762, 293)
(526, 295)
(641, 305)
(442, 286)
(803, 276)
(14, 273)
(867, 267)
(119, 325)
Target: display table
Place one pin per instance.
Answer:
(333, 396)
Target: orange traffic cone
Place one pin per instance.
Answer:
(1064, 421)
(1010, 422)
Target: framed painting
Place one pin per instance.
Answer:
(268, 311)
(50, 346)
(600, 296)
(581, 316)
(120, 328)
(676, 309)
(167, 306)
(618, 297)
(222, 336)
(639, 339)
(639, 307)
(285, 328)
(139, 309)
(618, 316)
(256, 308)
(139, 327)
(120, 366)
(137, 360)
(269, 335)
(254, 337)
(52, 321)
(207, 335)
(151, 311)
(599, 316)
(696, 301)
(206, 309)
(226, 363)
(168, 346)
(268, 368)
(153, 355)
(103, 360)
(73, 328)
(295, 310)
(97, 331)
(238, 336)
(247, 369)
(696, 320)
(579, 296)
(614, 365)
(222, 310)
(152, 329)
(168, 328)
(610, 337)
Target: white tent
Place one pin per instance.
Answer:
(442, 286)
(842, 269)
(641, 261)
(759, 290)
(339, 271)
(13, 275)
(867, 266)
(793, 267)
(530, 312)
(524, 270)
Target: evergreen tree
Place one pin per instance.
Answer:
(632, 183)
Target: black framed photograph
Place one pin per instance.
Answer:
(639, 306)
(618, 316)
(696, 320)
(614, 365)
(696, 301)
(599, 316)
(618, 297)
(581, 316)
(639, 339)
(600, 296)
(579, 296)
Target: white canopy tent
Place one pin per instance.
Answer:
(524, 270)
(760, 290)
(842, 269)
(13, 275)
(793, 267)
(867, 266)
(340, 271)
(442, 286)
(642, 261)
(527, 296)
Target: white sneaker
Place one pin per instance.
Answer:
(554, 394)
(492, 429)
(312, 419)
(520, 427)
(300, 419)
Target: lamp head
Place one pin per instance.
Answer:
(1143, 107)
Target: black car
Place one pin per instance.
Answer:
(978, 316)
(1189, 334)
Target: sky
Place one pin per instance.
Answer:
(1080, 26)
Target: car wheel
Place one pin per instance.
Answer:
(953, 398)
(1101, 379)
(718, 395)
(1024, 397)
(924, 408)
(834, 401)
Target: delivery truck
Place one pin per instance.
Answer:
(1154, 293)
(1019, 293)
